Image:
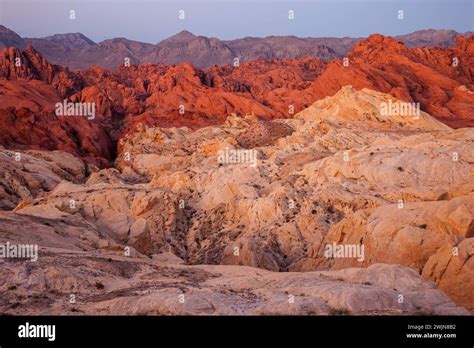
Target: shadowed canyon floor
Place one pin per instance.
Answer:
(235, 218)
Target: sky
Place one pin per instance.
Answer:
(153, 20)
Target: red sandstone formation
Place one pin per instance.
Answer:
(441, 80)
(181, 95)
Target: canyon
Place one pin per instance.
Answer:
(136, 212)
(171, 220)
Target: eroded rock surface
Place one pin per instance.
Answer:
(161, 95)
(194, 209)
(108, 284)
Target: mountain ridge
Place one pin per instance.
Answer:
(78, 52)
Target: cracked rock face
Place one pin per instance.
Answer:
(238, 219)
(26, 175)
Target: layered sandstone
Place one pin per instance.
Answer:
(439, 80)
(339, 172)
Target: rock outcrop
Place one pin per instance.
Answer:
(118, 285)
(270, 194)
(27, 175)
(438, 81)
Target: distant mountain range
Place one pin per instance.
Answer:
(76, 51)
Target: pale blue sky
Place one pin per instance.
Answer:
(153, 20)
